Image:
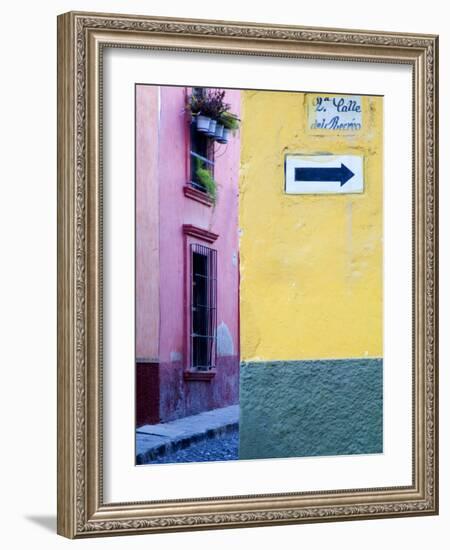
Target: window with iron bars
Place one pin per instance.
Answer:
(201, 149)
(203, 305)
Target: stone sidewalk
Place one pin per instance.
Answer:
(155, 440)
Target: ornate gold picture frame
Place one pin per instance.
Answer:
(82, 509)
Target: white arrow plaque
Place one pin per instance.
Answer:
(316, 174)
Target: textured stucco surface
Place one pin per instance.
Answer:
(310, 265)
(162, 318)
(311, 408)
(147, 225)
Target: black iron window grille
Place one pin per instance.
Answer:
(203, 305)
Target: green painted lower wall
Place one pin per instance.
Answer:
(311, 408)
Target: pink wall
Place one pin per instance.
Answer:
(179, 397)
(147, 224)
(176, 208)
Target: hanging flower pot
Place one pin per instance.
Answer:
(203, 123)
(225, 136)
(212, 128)
(219, 131)
(231, 124)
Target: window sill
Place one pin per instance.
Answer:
(199, 375)
(196, 195)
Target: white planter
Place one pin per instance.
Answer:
(203, 123)
(225, 136)
(219, 131)
(212, 127)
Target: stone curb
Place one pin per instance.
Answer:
(183, 442)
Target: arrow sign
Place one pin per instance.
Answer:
(342, 174)
(315, 174)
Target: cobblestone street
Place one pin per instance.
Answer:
(224, 447)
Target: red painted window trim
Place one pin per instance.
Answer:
(199, 233)
(199, 376)
(187, 138)
(192, 234)
(196, 195)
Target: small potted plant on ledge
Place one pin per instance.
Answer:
(205, 178)
(219, 131)
(213, 107)
(230, 123)
(196, 106)
(212, 115)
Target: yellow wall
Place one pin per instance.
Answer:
(311, 265)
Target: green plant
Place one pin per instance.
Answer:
(210, 104)
(215, 104)
(195, 104)
(205, 178)
(230, 121)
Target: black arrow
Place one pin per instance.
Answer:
(342, 174)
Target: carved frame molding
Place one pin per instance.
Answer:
(81, 37)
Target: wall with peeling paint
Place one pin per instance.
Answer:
(311, 265)
(147, 224)
(328, 407)
(162, 172)
(311, 288)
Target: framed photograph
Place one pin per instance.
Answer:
(247, 274)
